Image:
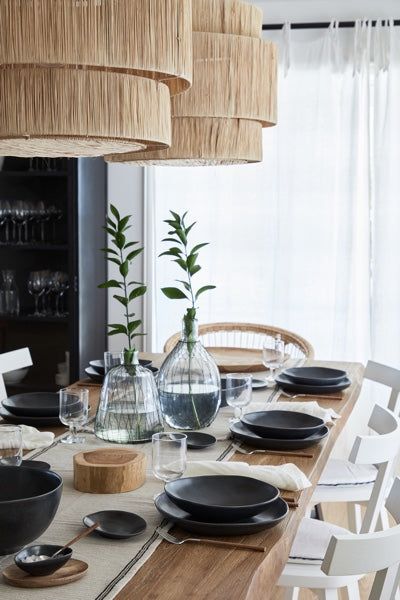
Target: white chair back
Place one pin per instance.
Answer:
(11, 361)
(368, 553)
(380, 450)
(388, 376)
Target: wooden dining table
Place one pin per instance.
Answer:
(213, 573)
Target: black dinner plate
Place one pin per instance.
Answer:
(116, 524)
(282, 424)
(33, 404)
(36, 464)
(241, 432)
(196, 440)
(22, 420)
(98, 365)
(221, 497)
(290, 386)
(315, 375)
(273, 514)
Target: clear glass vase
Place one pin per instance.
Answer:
(129, 409)
(189, 383)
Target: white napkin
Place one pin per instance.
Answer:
(32, 438)
(309, 408)
(284, 477)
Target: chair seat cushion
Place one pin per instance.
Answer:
(312, 540)
(342, 473)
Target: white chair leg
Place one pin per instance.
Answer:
(290, 593)
(327, 594)
(354, 516)
(383, 520)
(353, 591)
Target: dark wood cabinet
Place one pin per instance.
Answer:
(61, 233)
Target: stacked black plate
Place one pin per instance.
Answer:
(222, 504)
(313, 380)
(279, 430)
(33, 408)
(96, 370)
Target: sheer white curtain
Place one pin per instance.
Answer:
(289, 238)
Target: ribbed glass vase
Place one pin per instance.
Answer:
(129, 409)
(189, 383)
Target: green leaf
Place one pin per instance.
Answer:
(133, 254)
(112, 283)
(171, 252)
(135, 283)
(114, 332)
(124, 268)
(170, 239)
(188, 229)
(109, 251)
(114, 260)
(123, 223)
(115, 212)
(111, 224)
(191, 261)
(175, 215)
(120, 240)
(204, 289)
(110, 231)
(198, 247)
(133, 325)
(181, 235)
(130, 244)
(181, 263)
(184, 283)
(118, 328)
(174, 293)
(137, 292)
(195, 270)
(124, 301)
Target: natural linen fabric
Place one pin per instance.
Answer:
(285, 477)
(309, 408)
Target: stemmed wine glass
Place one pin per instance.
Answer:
(238, 392)
(60, 286)
(74, 410)
(273, 355)
(169, 455)
(36, 288)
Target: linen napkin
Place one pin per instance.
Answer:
(309, 408)
(285, 477)
(32, 438)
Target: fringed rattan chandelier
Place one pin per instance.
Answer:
(89, 77)
(220, 119)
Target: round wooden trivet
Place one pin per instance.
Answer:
(72, 571)
(109, 471)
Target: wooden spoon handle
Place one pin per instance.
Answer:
(230, 544)
(77, 537)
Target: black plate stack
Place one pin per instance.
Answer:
(33, 408)
(96, 371)
(222, 505)
(313, 380)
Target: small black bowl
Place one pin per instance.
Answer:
(282, 424)
(42, 567)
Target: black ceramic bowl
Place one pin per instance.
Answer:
(29, 500)
(98, 365)
(282, 424)
(42, 567)
(221, 497)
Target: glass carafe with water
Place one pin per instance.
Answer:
(189, 383)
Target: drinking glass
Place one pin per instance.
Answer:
(36, 288)
(10, 445)
(273, 356)
(74, 409)
(169, 455)
(112, 359)
(238, 393)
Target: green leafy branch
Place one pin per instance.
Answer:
(122, 254)
(186, 259)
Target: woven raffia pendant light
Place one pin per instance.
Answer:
(88, 77)
(220, 119)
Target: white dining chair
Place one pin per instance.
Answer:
(342, 481)
(303, 568)
(11, 361)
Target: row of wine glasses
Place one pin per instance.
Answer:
(48, 289)
(9, 295)
(25, 221)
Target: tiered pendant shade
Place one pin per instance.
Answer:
(220, 119)
(88, 77)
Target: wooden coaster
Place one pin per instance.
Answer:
(72, 571)
(109, 471)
